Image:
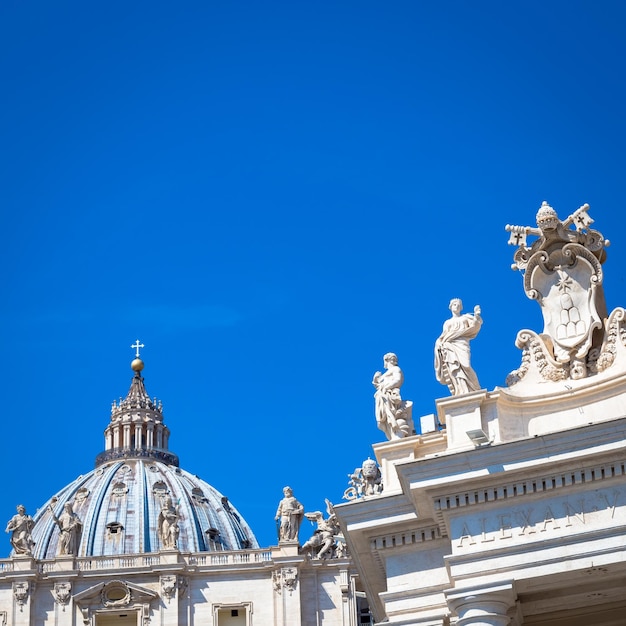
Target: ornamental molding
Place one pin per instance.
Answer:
(21, 592)
(529, 486)
(62, 592)
(562, 272)
(515, 490)
(285, 578)
(115, 594)
(405, 538)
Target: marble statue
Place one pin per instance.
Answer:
(71, 528)
(393, 415)
(20, 527)
(322, 542)
(452, 350)
(562, 272)
(364, 481)
(290, 513)
(169, 530)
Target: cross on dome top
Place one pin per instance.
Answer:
(136, 346)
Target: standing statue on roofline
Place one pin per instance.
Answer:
(290, 513)
(452, 350)
(393, 414)
(70, 530)
(20, 527)
(562, 271)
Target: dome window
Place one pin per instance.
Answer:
(198, 495)
(119, 489)
(114, 530)
(81, 495)
(160, 489)
(214, 539)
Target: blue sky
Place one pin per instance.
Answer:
(270, 196)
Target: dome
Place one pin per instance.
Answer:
(120, 506)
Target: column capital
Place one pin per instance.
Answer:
(483, 605)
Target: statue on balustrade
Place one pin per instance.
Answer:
(169, 530)
(290, 513)
(20, 527)
(393, 414)
(452, 350)
(70, 530)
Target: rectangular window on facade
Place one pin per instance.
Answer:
(232, 615)
(119, 619)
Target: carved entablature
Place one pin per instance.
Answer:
(563, 272)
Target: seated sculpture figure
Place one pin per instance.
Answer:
(393, 415)
(452, 350)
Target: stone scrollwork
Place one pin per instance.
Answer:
(364, 481)
(62, 593)
(286, 578)
(20, 592)
(563, 273)
(614, 344)
(168, 586)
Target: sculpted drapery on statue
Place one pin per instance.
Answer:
(290, 513)
(393, 415)
(70, 530)
(169, 529)
(562, 272)
(452, 350)
(20, 527)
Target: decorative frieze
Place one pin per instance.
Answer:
(530, 486)
(581, 512)
(405, 538)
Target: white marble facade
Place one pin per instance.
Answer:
(515, 511)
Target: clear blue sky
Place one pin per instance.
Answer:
(270, 196)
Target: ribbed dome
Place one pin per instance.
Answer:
(119, 504)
